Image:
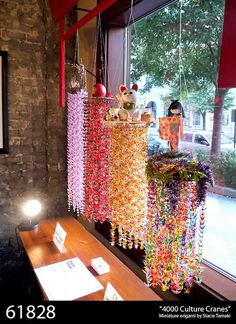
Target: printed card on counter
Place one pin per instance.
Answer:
(111, 293)
(59, 237)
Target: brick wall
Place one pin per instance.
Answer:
(36, 163)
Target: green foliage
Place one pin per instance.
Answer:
(222, 166)
(156, 49)
(174, 171)
(203, 100)
(155, 44)
(183, 54)
(167, 167)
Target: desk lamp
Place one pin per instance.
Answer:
(31, 209)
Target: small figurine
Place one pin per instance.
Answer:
(171, 127)
(112, 114)
(128, 102)
(124, 115)
(175, 109)
(147, 116)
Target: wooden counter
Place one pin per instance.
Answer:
(80, 243)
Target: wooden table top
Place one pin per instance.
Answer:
(41, 251)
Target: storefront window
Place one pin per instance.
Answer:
(177, 49)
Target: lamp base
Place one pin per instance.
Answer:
(28, 225)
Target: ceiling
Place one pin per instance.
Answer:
(119, 13)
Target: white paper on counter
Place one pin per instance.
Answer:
(67, 280)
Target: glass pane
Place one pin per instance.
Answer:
(175, 56)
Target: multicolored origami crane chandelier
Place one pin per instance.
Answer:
(155, 204)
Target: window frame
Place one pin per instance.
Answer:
(214, 282)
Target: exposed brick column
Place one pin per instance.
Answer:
(36, 163)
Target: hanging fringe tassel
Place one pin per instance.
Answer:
(75, 150)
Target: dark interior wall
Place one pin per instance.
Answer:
(36, 163)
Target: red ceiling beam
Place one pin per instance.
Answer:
(103, 5)
(59, 8)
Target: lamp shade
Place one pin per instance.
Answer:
(31, 209)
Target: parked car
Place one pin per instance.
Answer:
(156, 145)
(201, 140)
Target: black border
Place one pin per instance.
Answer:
(5, 148)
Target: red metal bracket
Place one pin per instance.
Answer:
(59, 8)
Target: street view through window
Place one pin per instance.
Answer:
(175, 54)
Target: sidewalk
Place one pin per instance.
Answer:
(224, 191)
(220, 239)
